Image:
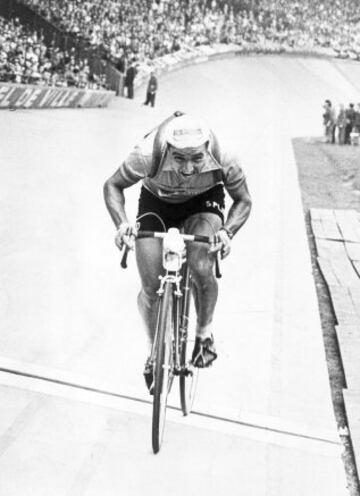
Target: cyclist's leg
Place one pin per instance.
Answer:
(201, 265)
(152, 214)
(149, 262)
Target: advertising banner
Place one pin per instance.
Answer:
(25, 96)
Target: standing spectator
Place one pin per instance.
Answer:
(341, 124)
(121, 67)
(121, 62)
(356, 128)
(151, 90)
(130, 77)
(329, 122)
(350, 117)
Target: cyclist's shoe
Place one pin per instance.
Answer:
(149, 376)
(204, 352)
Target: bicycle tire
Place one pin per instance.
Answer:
(189, 380)
(163, 366)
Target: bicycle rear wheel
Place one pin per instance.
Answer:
(189, 375)
(163, 369)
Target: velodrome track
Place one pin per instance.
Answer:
(264, 423)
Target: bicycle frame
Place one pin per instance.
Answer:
(180, 280)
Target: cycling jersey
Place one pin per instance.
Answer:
(167, 184)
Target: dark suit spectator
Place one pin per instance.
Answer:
(341, 124)
(350, 118)
(129, 79)
(356, 128)
(151, 90)
(121, 66)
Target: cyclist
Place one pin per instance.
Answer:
(183, 171)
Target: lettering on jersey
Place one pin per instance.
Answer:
(213, 204)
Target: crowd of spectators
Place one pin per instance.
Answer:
(24, 58)
(137, 31)
(146, 29)
(342, 126)
(304, 23)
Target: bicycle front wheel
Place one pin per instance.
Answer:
(163, 369)
(189, 373)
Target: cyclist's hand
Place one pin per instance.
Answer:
(125, 236)
(222, 243)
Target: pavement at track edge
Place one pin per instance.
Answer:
(75, 416)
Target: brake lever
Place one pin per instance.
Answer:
(123, 262)
(218, 274)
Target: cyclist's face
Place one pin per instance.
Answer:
(189, 160)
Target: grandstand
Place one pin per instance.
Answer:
(25, 59)
(91, 44)
(149, 29)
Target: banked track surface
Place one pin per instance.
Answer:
(67, 308)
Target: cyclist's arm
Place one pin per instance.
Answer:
(115, 199)
(240, 209)
(236, 186)
(133, 169)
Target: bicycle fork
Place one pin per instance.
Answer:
(181, 287)
(174, 280)
(183, 308)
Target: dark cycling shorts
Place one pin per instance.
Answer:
(174, 214)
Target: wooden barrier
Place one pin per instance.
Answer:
(337, 239)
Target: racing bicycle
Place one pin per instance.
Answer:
(174, 340)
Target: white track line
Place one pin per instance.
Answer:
(71, 387)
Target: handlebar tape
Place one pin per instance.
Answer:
(148, 234)
(218, 274)
(123, 262)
